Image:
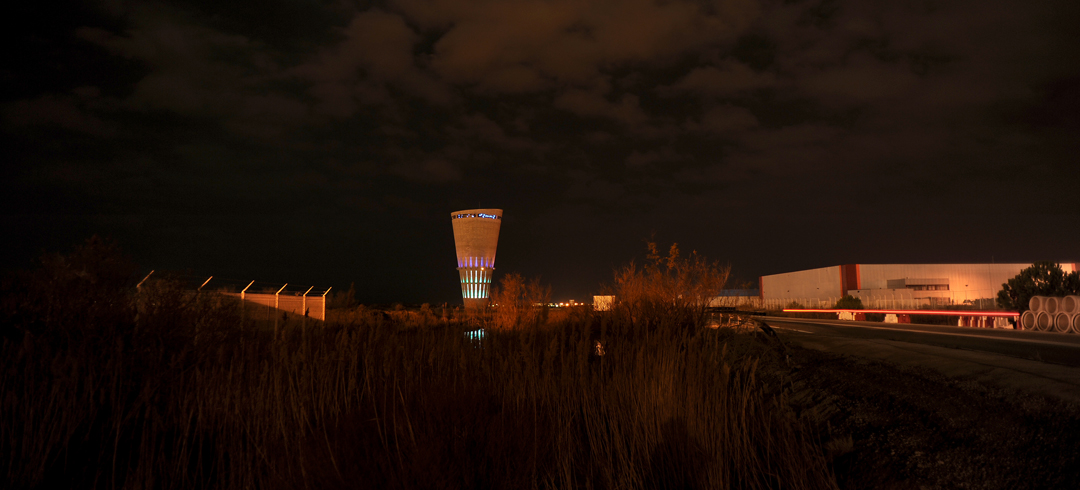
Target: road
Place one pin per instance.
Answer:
(935, 406)
(1046, 347)
(1034, 362)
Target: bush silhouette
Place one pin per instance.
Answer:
(848, 302)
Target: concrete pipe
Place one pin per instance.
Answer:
(1062, 322)
(1069, 304)
(1043, 322)
(1035, 303)
(1050, 304)
(1027, 320)
(1074, 321)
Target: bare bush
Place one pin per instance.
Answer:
(518, 303)
(668, 291)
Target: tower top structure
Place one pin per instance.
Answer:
(476, 237)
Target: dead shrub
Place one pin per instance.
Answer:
(668, 291)
(518, 303)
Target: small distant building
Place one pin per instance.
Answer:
(603, 303)
(891, 285)
(476, 236)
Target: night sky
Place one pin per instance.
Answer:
(324, 143)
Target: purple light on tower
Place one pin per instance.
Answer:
(476, 235)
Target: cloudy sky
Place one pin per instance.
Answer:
(325, 142)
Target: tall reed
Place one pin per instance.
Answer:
(183, 391)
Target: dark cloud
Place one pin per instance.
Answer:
(432, 171)
(376, 55)
(508, 47)
(723, 119)
(240, 137)
(663, 155)
(67, 111)
(727, 80)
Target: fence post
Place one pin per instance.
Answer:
(304, 301)
(324, 302)
(139, 285)
(245, 290)
(277, 304)
(243, 305)
(303, 304)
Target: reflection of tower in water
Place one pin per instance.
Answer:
(476, 235)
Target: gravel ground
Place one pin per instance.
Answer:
(887, 426)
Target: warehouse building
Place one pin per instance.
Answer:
(892, 285)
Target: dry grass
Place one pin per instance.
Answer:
(166, 389)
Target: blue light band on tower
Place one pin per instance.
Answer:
(476, 236)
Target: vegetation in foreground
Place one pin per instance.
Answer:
(104, 385)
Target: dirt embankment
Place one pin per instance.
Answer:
(887, 426)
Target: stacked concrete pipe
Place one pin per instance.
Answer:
(1070, 304)
(1052, 313)
(1042, 321)
(1035, 303)
(1062, 322)
(1027, 320)
(1069, 308)
(1050, 304)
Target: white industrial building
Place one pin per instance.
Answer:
(892, 285)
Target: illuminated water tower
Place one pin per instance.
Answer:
(476, 235)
